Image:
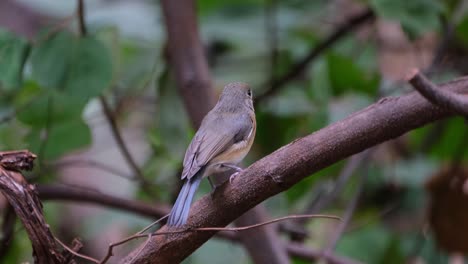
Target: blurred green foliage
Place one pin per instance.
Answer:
(50, 82)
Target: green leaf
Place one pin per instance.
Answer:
(357, 244)
(51, 58)
(90, 71)
(63, 137)
(447, 145)
(13, 53)
(346, 75)
(415, 16)
(62, 109)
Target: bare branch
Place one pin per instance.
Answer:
(23, 198)
(263, 244)
(446, 99)
(300, 66)
(389, 118)
(90, 164)
(243, 228)
(81, 21)
(76, 253)
(348, 214)
(61, 192)
(187, 58)
(125, 240)
(121, 143)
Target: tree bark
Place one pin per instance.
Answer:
(389, 118)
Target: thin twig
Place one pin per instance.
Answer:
(345, 174)
(120, 142)
(236, 229)
(144, 245)
(446, 99)
(85, 195)
(91, 164)
(76, 253)
(81, 21)
(139, 234)
(348, 214)
(301, 65)
(271, 29)
(243, 228)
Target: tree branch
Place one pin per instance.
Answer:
(67, 193)
(301, 65)
(262, 243)
(188, 59)
(446, 99)
(138, 174)
(81, 21)
(27, 206)
(154, 211)
(387, 119)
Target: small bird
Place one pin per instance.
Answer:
(222, 141)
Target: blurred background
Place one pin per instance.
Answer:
(100, 107)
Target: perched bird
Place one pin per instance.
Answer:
(222, 141)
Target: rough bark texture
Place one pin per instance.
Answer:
(27, 206)
(387, 119)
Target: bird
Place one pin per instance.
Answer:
(223, 139)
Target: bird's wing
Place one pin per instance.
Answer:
(214, 136)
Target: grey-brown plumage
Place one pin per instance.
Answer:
(222, 141)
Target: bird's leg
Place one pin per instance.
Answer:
(234, 167)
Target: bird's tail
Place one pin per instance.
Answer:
(180, 210)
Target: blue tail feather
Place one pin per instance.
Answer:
(180, 210)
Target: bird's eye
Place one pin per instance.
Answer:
(249, 92)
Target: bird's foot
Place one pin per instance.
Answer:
(231, 178)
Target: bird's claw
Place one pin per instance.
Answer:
(231, 178)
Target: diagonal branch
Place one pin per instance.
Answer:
(138, 174)
(446, 99)
(387, 119)
(301, 65)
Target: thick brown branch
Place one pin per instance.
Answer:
(188, 59)
(302, 64)
(23, 198)
(387, 119)
(446, 99)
